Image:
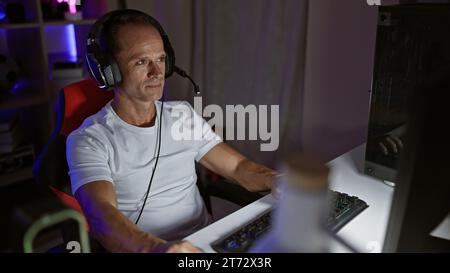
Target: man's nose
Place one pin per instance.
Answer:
(154, 70)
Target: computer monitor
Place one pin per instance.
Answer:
(411, 41)
(422, 193)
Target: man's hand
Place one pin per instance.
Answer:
(391, 142)
(390, 145)
(227, 162)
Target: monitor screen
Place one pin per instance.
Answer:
(412, 41)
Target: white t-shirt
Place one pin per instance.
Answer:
(107, 148)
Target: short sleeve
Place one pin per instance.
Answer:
(207, 139)
(87, 159)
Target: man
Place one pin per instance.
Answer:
(111, 156)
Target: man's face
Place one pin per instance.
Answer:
(141, 61)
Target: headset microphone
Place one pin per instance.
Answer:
(183, 74)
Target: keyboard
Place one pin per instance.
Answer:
(343, 208)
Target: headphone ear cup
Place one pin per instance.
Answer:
(108, 74)
(111, 73)
(93, 66)
(116, 72)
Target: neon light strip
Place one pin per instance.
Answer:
(72, 5)
(71, 43)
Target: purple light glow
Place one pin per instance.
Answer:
(72, 5)
(62, 40)
(72, 45)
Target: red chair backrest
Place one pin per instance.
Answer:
(81, 99)
(77, 101)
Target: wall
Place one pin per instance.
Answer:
(340, 49)
(333, 109)
(240, 52)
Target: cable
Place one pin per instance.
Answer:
(183, 74)
(156, 162)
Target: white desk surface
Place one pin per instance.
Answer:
(365, 232)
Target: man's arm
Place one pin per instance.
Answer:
(115, 231)
(227, 162)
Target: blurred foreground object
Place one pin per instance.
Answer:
(300, 217)
(34, 220)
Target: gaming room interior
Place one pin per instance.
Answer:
(323, 126)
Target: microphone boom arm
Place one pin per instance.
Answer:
(183, 74)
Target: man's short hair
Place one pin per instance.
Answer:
(108, 37)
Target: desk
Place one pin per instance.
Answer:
(365, 232)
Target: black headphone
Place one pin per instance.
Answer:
(103, 66)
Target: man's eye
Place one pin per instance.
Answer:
(162, 59)
(140, 62)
